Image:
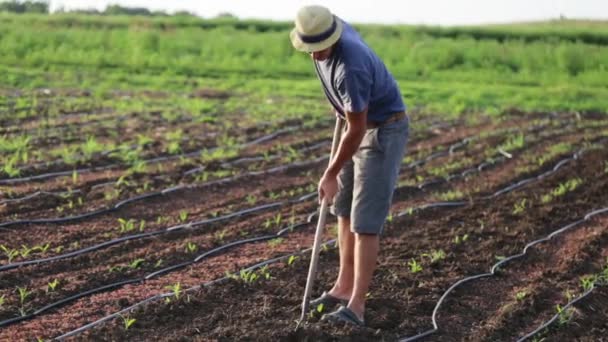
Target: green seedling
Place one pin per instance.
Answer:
(52, 285)
(115, 269)
(520, 295)
(183, 216)
(74, 176)
(520, 206)
(275, 242)
(265, 273)
(158, 263)
(176, 289)
(415, 267)
(588, 282)
(219, 236)
(42, 248)
(25, 251)
(126, 225)
(248, 276)
(277, 220)
(58, 249)
(291, 260)
(564, 314)
(191, 247)
(460, 239)
(23, 295)
(251, 199)
(435, 255)
(9, 252)
(136, 263)
(389, 218)
(1, 301)
(142, 225)
(128, 322)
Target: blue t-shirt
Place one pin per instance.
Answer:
(354, 78)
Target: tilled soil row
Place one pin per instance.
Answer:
(588, 320)
(402, 240)
(490, 310)
(97, 235)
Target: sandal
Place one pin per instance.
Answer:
(327, 300)
(344, 314)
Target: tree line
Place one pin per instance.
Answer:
(42, 6)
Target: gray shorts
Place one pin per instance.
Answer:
(367, 182)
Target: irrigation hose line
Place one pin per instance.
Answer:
(316, 247)
(424, 334)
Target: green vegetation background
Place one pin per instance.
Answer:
(559, 65)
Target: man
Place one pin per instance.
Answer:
(364, 170)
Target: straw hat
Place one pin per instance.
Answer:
(316, 29)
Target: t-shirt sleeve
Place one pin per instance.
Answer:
(354, 90)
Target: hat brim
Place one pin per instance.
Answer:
(299, 45)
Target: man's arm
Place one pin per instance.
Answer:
(357, 125)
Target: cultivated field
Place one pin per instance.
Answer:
(173, 196)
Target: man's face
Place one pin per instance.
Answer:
(321, 55)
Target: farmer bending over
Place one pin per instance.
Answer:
(360, 179)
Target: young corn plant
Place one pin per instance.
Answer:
(562, 189)
(520, 295)
(291, 260)
(435, 255)
(587, 282)
(24, 293)
(176, 289)
(460, 239)
(520, 206)
(191, 247)
(450, 195)
(251, 199)
(565, 315)
(136, 263)
(10, 253)
(126, 225)
(275, 242)
(52, 285)
(415, 267)
(128, 322)
(183, 216)
(265, 273)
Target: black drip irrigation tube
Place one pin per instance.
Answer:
(427, 206)
(157, 273)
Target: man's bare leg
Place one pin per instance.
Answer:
(366, 256)
(346, 242)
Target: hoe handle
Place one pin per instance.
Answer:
(316, 247)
